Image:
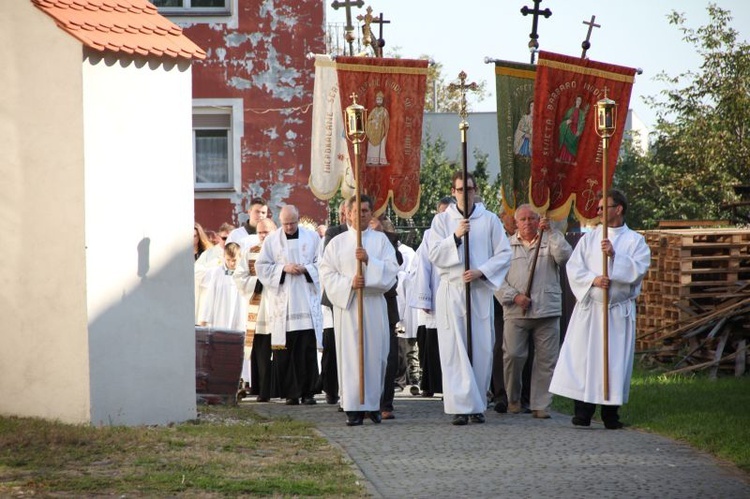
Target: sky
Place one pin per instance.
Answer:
(459, 34)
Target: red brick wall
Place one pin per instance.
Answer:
(263, 61)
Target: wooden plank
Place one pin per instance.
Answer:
(697, 367)
(686, 224)
(740, 360)
(714, 372)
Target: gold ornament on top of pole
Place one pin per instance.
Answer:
(606, 117)
(356, 115)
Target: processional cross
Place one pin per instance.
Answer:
(535, 12)
(586, 43)
(381, 42)
(463, 87)
(349, 29)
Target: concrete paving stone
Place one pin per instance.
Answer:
(421, 455)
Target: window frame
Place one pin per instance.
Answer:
(233, 108)
(202, 15)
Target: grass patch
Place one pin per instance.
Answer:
(710, 415)
(228, 451)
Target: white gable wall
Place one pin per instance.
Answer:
(43, 330)
(139, 226)
(96, 212)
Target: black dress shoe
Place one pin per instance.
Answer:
(580, 421)
(477, 418)
(375, 417)
(613, 425)
(332, 399)
(309, 401)
(501, 407)
(354, 418)
(460, 420)
(261, 399)
(292, 401)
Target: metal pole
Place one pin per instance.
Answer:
(605, 269)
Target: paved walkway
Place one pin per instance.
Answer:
(420, 454)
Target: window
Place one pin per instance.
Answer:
(217, 133)
(193, 7)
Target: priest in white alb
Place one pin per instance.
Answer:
(338, 274)
(466, 380)
(288, 268)
(579, 373)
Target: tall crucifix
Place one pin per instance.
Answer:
(586, 43)
(535, 12)
(464, 87)
(349, 29)
(381, 42)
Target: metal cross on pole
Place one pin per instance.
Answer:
(464, 87)
(366, 20)
(586, 43)
(349, 29)
(535, 12)
(381, 42)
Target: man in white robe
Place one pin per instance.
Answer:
(288, 268)
(257, 211)
(256, 369)
(579, 371)
(338, 273)
(465, 381)
(427, 281)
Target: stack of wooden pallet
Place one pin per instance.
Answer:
(694, 309)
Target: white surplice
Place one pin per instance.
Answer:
(294, 304)
(465, 384)
(337, 270)
(223, 306)
(579, 371)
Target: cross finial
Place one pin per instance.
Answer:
(366, 32)
(381, 42)
(586, 43)
(463, 87)
(349, 29)
(534, 36)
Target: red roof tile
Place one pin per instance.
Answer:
(129, 26)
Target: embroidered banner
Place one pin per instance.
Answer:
(566, 150)
(515, 103)
(330, 164)
(393, 92)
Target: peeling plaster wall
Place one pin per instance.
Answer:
(263, 61)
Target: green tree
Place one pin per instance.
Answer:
(702, 142)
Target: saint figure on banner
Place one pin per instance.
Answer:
(378, 121)
(571, 129)
(522, 137)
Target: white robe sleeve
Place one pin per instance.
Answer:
(243, 279)
(422, 295)
(495, 268)
(269, 271)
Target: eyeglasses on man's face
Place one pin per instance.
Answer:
(601, 208)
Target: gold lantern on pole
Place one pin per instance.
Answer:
(356, 115)
(606, 117)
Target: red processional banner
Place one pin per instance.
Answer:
(566, 163)
(392, 91)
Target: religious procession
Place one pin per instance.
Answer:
(473, 314)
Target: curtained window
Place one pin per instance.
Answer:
(215, 139)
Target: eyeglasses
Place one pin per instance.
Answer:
(461, 189)
(601, 208)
